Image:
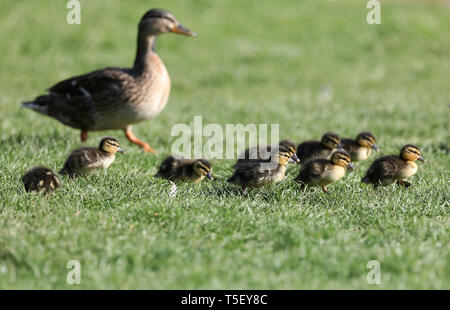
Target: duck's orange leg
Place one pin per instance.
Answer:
(132, 138)
(84, 135)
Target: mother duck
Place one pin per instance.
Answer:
(116, 98)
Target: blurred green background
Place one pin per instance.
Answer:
(311, 66)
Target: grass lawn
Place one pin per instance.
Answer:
(310, 66)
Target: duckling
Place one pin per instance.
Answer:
(116, 98)
(322, 171)
(190, 170)
(258, 153)
(319, 149)
(260, 173)
(41, 179)
(361, 147)
(86, 160)
(388, 169)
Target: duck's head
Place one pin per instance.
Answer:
(203, 168)
(110, 145)
(411, 152)
(366, 139)
(331, 140)
(343, 159)
(283, 156)
(290, 147)
(159, 21)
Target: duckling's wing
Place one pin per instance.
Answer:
(349, 144)
(307, 150)
(383, 168)
(313, 170)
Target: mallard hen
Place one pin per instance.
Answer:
(116, 98)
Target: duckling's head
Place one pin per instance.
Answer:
(290, 147)
(203, 168)
(411, 152)
(331, 140)
(366, 139)
(110, 145)
(158, 21)
(283, 156)
(343, 159)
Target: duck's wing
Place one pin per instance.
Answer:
(76, 101)
(94, 87)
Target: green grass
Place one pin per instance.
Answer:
(254, 62)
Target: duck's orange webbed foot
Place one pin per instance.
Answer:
(132, 138)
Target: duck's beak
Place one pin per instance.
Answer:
(350, 165)
(294, 159)
(180, 29)
(421, 159)
(120, 150)
(209, 176)
(375, 147)
(339, 146)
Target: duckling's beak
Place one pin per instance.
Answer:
(421, 159)
(351, 166)
(180, 29)
(209, 176)
(294, 159)
(339, 146)
(375, 147)
(120, 150)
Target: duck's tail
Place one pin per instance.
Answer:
(233, 179)
(40, 104)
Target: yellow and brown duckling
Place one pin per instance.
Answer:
(116, 98)
(258, 153)
(41, 179)
(185, 170)
(322, 171)
(260, 173)
(392, 168)
(86, 160)
(319, 149)
(361, 147)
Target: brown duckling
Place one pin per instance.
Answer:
(258, 153)
(116, 98)
(86, 160)
(256, 174)
(322, 171)
(319, 149)
(392, 168)
(41, 179)
(188, 170)
(361, 147)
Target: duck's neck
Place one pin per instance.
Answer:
(145, 51)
